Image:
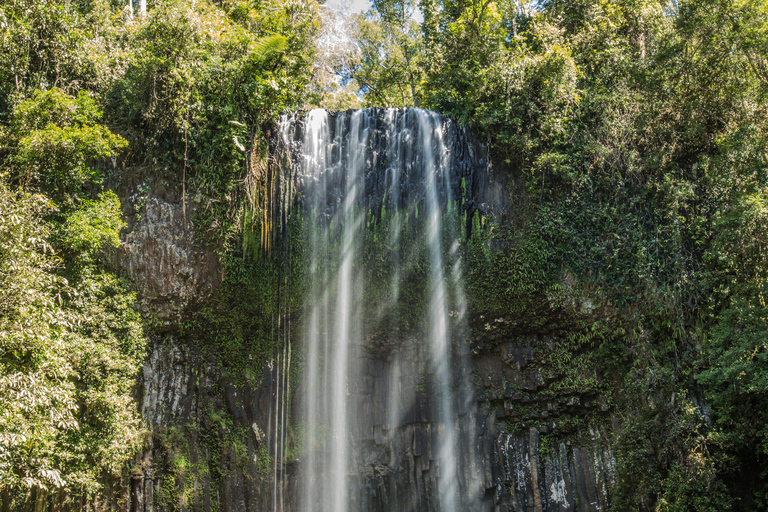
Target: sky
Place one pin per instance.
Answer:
(350, 6)
(355, 6)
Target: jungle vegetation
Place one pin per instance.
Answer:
(638, 128)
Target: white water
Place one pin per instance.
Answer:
(338, 170)
(439, 337)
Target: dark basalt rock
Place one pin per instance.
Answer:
(212, 442)
(397, 467)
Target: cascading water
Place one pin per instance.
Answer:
(380, 193)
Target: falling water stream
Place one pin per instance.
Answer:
(379, 193)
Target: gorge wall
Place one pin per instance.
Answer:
(534, 425)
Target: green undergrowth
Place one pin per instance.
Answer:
(507, 272)
(265, 297)
(193, 458)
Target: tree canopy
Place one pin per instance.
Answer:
(87, 88)
(638, 130)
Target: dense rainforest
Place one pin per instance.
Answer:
(636, 132)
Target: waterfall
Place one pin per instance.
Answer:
(380, 193)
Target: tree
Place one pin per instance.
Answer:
(390, 59)
(331, 87)
(70, 341)
(38, 400)
(56, 140)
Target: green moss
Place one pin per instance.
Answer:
(187, 455)
(509, 275)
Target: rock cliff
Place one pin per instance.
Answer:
(529, 439)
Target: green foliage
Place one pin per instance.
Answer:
(37, 395)
(529, 94)
(665, 462)
(203, 82)
(389, 61)
(190, 454)
(93, 227)
(507, 273)
(56, 138)
(463, 41)
(741, 235)
(54, 107)
(71, 341)
(66, 45)
(69, 353)
(735, 373)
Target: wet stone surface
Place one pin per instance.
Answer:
(509, 448)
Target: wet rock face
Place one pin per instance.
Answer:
(566, 477)
(158, 252)
(393, 135)
(507, 461)
(208, 446)
(396, 434)
(535, 463)
(213, 438)
(160, 257)
(221, 427)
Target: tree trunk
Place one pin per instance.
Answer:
(410, 75)
(5, 500)
(40, 499)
